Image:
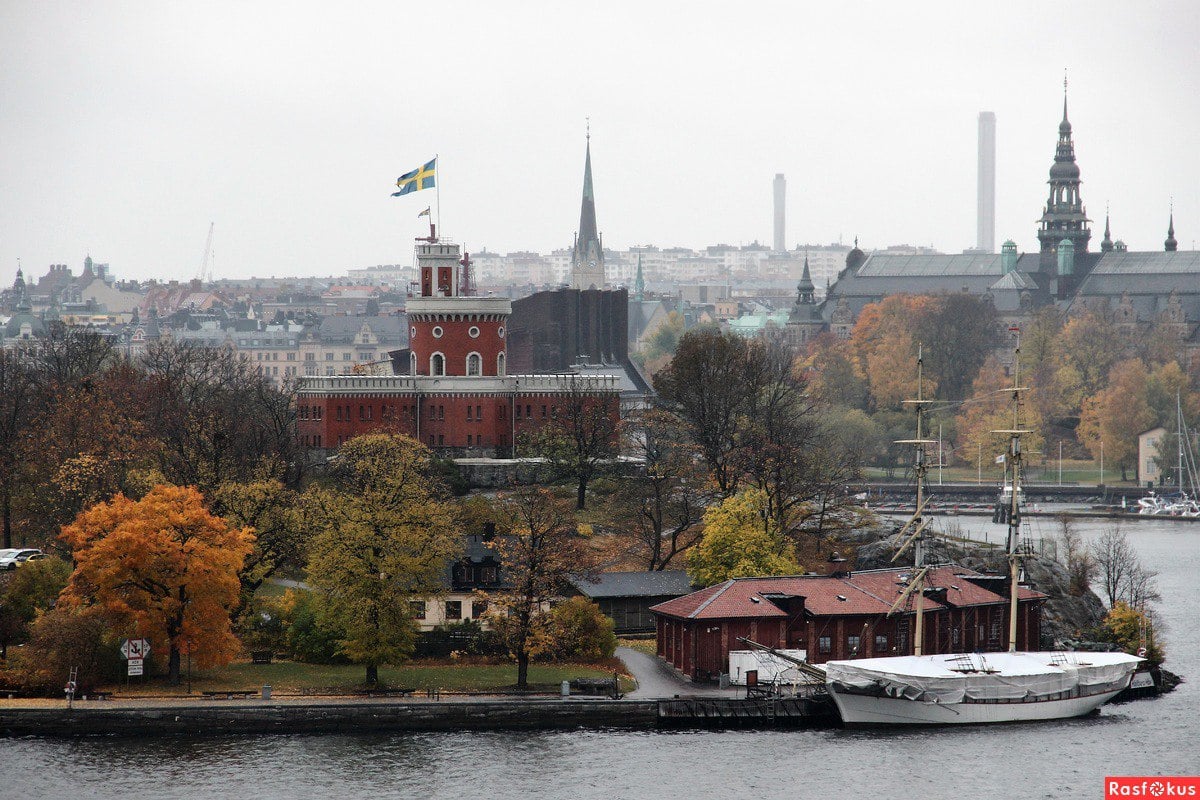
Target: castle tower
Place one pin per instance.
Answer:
(1064, 216)
(452, 333)
(587, 257)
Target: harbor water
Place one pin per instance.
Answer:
(1066, 759)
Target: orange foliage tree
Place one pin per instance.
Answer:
(1111, 420)
(886, 350)
(166, 566)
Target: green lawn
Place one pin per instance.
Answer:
(291, 677)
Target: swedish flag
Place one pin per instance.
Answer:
(418, 179)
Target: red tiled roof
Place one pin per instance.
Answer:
(869, 592)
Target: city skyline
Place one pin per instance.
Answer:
(129, 130)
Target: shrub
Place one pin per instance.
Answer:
(309, 637)
(581, 632)
(467, 637)
(1130, 630)
(66, 638)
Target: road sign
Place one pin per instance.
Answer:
(135, 666)
(135, 648)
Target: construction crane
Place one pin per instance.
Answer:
(205, 275)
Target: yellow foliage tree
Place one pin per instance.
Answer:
(1109, 422)
(166, 566)
(741, 540)
(885, 349)
(990, 409)
(1132, 630)
(384, 536)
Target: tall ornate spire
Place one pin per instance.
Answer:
(805, 291)
(1170, 244)
(639, 286)
(1064, 216)
(1106, 244)
(587, 260)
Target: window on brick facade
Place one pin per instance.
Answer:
(852, 644)
(543, 412)
(479, 413)
(478, 608)
(469, 417)
(441, 440)
(469, 442)
(339, 413)
(881, 643)
(437, 364)
(454, 609)
(825, 644)
(441, 412)
(474, 364)
(500, 365)
(518, 411)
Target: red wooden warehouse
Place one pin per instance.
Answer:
(840, 617)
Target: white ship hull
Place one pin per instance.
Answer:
(858, 709)
(974, 689)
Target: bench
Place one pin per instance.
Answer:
(230, 694)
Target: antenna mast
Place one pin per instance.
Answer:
(1012, 467)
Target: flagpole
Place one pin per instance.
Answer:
(437, 188)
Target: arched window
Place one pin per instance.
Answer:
(500, 365)
(474, 364)
(437, 364)
(412, 363)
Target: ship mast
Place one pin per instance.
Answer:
(1012, 467)
(917, 539)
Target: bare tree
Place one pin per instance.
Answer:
(1124, 578)
(661, 505)
(1080, 563)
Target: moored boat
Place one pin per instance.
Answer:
(976, 688)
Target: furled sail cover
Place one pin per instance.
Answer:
(983, 676)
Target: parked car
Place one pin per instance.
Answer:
(11, 559)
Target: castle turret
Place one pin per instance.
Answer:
(452, 333)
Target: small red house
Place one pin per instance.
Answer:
(840, 617)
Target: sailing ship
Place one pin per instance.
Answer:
(1184, 502)
(973, 688)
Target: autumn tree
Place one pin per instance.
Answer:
(885, 346)
(1131, 629)
(706, 385)
(990, 409)
(27, 592)
(1110, 421)
(165, 565)
(1084, 352)
(539, 548)
(215, 417)
(666, 336)
(957, 334)
(831, 372)
(384, 534)
(741, 539)
(274, 512)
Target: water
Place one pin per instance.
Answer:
(1046, 760)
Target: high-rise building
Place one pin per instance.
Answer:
(986, 223)
(780, 210)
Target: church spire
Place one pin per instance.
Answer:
(1064, 216)
(1106, 244)
(587, 260)
(805, 290)
(1171, 244)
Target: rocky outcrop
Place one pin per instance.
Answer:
(1066, 617)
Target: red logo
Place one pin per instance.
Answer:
(1151, 786)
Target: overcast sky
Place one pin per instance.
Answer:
(128, 127)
